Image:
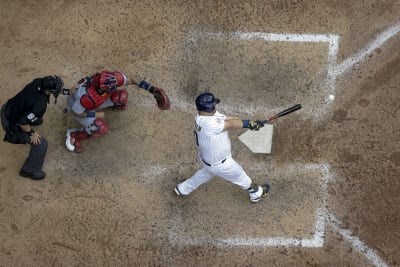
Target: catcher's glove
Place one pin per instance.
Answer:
(161, 98)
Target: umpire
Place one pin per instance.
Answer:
(25, 110)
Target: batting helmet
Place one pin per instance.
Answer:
(206, 102)
(52, 84)
(108, 82)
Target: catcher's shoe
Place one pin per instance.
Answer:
(73, 140)
(69, 141)
(77, 144)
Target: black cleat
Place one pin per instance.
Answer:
(38, 175)
(265, 188)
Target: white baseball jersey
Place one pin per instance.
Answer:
(213, 142)
(214, 151)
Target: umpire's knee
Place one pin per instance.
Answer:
(42, 147)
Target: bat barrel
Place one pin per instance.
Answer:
(284, 112)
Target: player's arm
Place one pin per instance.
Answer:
(141, 83)
(30, 118)
(35, 136)
(238, 123)
(159, 94)
(233, 123)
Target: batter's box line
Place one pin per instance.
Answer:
(319, 227)
(330, 80)
(317, 241)
(355, 242)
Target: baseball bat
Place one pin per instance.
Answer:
(284, 113)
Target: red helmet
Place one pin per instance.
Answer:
(121, 78)
(108, 81)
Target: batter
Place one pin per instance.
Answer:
(214, 149)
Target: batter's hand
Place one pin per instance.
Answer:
(255, 125)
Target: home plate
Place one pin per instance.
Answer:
(258, 141)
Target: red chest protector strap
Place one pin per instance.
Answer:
(92, 99)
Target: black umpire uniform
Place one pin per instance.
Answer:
(25, 110)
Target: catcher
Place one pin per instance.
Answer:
(96, 92)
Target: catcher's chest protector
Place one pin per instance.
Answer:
(92, 99)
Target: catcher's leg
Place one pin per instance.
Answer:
(75, 139)
(120, 99)
(98, 128)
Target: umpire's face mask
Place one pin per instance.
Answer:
(52, 85)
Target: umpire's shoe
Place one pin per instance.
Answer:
(38, 175)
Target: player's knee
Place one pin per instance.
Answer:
(99, 127)
(42, 146)
(120, 99)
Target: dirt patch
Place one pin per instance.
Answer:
(113, 205)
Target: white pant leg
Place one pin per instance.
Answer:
(88, 121)
(232, 172)
(106, 104)
(200, 177)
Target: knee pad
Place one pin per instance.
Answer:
(97, 128)
(120, 99)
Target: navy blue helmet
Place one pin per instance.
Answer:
(206, 102)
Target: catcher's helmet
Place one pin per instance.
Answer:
(52, 84)
(121, 78)
(108, 82)
(206, 102)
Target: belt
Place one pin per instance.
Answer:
(209, 165)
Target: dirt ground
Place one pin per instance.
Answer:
(114, 205)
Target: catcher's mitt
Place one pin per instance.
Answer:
(161, 98)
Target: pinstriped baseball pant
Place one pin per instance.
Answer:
(230, 171)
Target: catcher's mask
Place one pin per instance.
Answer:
(52, 84)
(206, 102)
(107, 82)
(121, 78)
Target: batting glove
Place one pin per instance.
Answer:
(255, 125)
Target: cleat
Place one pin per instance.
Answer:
(69, 141)
(38, 175)
(257, 192)
(265, 188)
(177, 192)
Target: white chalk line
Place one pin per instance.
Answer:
(333, 47)
(175, 236)
(364, 52)
(322, 216)
(356, 243)
(333, 71)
